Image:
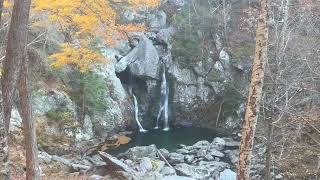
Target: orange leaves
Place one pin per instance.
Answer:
(82, 58)
(85, 20)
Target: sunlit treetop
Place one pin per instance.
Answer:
(84, 20)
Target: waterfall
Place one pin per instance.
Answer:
(164, 100)
(136, 114)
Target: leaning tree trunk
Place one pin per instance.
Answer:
(1, 7)
(254, 98)
(4, 163)
(33, 172)
(15, 52)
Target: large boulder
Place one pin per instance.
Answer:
(143, 60)
(119, 111)
(46, 100)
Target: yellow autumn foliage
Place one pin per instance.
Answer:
(83, 58)
(84, 20)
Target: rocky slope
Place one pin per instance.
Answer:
(209, 92)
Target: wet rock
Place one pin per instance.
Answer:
(168, 171)
(218, 143)
(145, 164)
(138, 152)
(215, 153)
(227, 174)
(189, 158)
(201, 144)
(209, 157)
(176, 158)
(182, 151)
(164, 152)
(201, 153)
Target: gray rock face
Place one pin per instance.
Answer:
(141, 151)
(118, 113)
(44, 101)
(157, 20)
(227, 174)
(143, 60)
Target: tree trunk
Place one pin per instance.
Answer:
(269, 150)
(33, 172)
(1, 7)
(254, 98)
(15, 52)
(4, 149)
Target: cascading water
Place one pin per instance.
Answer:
(136, 114)
(164, 101)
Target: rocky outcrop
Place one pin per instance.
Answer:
(197, 91)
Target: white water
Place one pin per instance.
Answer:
(164, 106)
(136, 113)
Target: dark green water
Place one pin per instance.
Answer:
(170, 140)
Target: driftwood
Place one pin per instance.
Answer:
(163, 158)
(116, 164)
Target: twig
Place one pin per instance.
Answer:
(163, 158)
(219, 113)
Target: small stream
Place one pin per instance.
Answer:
(170, 140)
